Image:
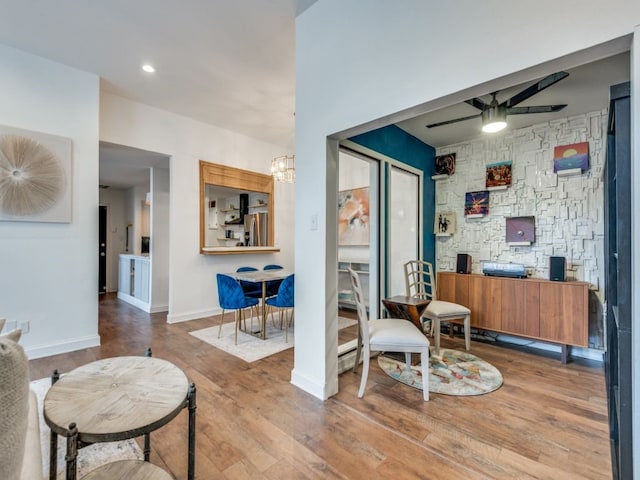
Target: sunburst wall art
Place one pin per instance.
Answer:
(35, 176)
(476, 204)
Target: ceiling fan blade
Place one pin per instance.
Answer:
(535, 88)
(479, 104)
(538, 109)
(447, 122)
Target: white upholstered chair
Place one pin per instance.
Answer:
(387, 335)
(420, 282)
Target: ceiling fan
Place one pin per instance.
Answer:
(494, 114)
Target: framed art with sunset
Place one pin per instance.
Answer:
(568, 157)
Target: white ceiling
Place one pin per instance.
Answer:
(123, 167)
(229, 63)
(225, 62)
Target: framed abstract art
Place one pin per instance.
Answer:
(353, 217)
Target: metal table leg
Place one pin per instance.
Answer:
(192, 432)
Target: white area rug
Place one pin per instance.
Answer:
(89, 457)
(251, 348)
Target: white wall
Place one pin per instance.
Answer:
(49, 272)
(357, 78)
(160, 233)
(568, 211)
(192, 286)
(137, 215)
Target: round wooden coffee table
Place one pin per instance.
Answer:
(116, 399)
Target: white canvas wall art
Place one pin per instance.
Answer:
(35, 176)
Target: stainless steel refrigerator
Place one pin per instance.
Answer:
(256, 230)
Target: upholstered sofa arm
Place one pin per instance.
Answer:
(32, 463)
(20, 455)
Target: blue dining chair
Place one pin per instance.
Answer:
(231, 297)
(251, 289)
(284, 302)
(273, 285)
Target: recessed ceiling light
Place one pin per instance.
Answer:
(148, 68)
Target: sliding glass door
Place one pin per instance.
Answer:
(403, 226)
(379, 225)
(358, 227)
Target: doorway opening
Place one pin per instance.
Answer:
(134, 192)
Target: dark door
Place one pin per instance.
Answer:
(619, 282)
(102, 251)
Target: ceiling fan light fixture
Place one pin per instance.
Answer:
(494, 119)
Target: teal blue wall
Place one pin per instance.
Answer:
(394, 142)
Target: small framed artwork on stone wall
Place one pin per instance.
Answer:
(520, 230)
(568, 159)
(444, 166)
(498, 176)
(444, 224)
(476, 204)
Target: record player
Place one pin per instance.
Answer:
(512, 270)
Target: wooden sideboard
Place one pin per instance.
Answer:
(556, 312)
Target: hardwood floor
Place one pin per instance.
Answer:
(548, 420)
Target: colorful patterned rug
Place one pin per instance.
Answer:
(451, 373)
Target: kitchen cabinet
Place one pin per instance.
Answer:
(534, 308)
(134, 280)
(141, 279)
(124, 275)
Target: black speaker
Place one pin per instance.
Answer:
(557, 269)
(463, 265)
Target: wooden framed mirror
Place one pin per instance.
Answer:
(236, 211)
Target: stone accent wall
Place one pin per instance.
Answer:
(569, 211)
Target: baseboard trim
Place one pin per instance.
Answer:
(136, 302)
(588, 353)
(184, 317)
(308, 385)
(63, 347)
(159, 308)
